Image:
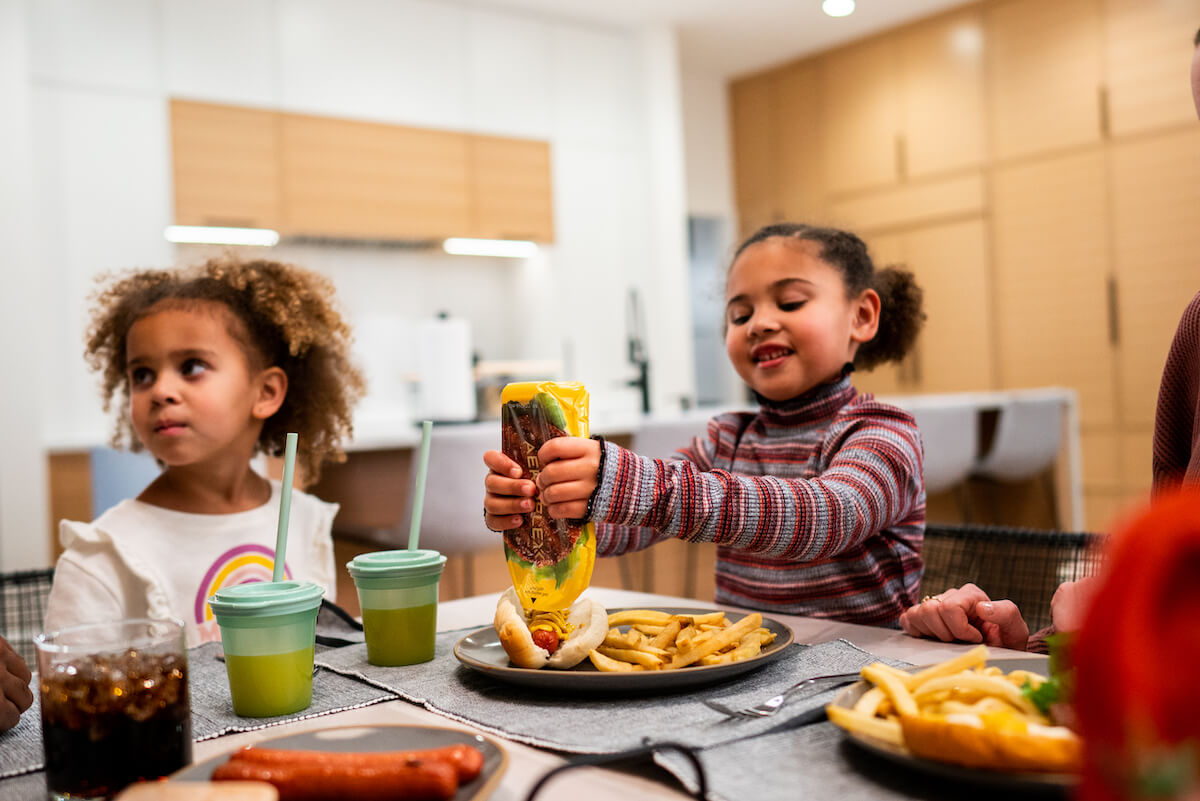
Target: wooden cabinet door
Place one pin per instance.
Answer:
(860, 90)
(1147, 49)
(954, 350)
(343, 178)
(512, 197)
(1156, 245)
(941, 67)
(754, 167)
(800, 179)
(1050, 229)
(888, 378)
(226, 165)
(1044, 75)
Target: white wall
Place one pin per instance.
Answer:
(708, 147)
(23, 313)
(99, 75)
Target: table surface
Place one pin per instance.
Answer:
(527, 764)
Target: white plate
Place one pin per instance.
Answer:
(380, 738)
(481, 650)
(1015, 781)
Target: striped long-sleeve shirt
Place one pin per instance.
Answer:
(817, 504)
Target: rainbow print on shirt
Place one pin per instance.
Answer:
(244, 564)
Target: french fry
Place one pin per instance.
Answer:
(669, 633)
(982, 685)
(973, 658)
(628, 617)
(870, 701)
(893, 688)
(610, 665)
(871, 726)
(717, 640)
(642, 658)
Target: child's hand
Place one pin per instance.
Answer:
(568, 477)
(506, 494)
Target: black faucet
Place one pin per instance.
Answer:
(637, 351)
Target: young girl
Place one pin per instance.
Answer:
(209, 366)
(817, 499)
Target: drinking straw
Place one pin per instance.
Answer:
(414, 530)
(285, 505)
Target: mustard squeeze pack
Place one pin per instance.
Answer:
(550, 561)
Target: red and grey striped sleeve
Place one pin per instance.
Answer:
(870, 482)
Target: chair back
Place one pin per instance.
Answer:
(118, 475)
(1028, 434)
(950, 440)
(1018, 564)
(452, 512)
(23, 597)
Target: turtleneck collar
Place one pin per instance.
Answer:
(820, 401)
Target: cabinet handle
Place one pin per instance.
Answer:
(1114, 329)
(901, 158)
(1102, 110)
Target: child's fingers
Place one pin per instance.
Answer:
(567, 470)
(501, 522)
(496, 484)
(503, 504)
(499, 463)
(568, 448)
(567, 511)
(568, 491)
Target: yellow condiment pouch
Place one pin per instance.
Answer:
(550, 561)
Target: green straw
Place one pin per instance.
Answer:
(414, 530)
(285, 506)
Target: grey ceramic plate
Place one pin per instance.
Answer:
(380, 738)
(481, 650)
(1015, 781)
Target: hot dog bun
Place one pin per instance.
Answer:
(992, 742)
(589, 618)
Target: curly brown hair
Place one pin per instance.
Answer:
(282, 315)
(901, 314)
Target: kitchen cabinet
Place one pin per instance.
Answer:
(942, 77)
(1145, 53)
(510, 189)
(1051, 266)
(307, 175)
(226, 165)
(346, 178)
(954, 350)
(1044, 75)
(862, 107)
(752, 105)
(1156, 256)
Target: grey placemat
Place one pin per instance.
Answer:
(817, 763)
(212, 709)
(21, 746)
(600, 724)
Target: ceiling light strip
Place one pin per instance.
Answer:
(211, 235)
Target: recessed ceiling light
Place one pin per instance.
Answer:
(209, 235)
(504, 248)
(838, 8)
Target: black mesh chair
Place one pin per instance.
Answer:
(1018, 564)
(22, 607)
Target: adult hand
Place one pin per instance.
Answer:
(507, 496)
(570, 467)
(967, 614)
(1070, 602)
(14, 685)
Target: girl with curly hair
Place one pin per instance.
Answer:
(816, 499)
(209, 366)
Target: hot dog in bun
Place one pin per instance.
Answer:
(549, 639)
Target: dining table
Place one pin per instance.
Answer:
(826, 766)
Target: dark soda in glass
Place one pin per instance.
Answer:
(111, 719)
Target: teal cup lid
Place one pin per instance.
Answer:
(265, 598)
(396, 564)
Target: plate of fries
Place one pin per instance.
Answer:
(647, 649)
(979, 695)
